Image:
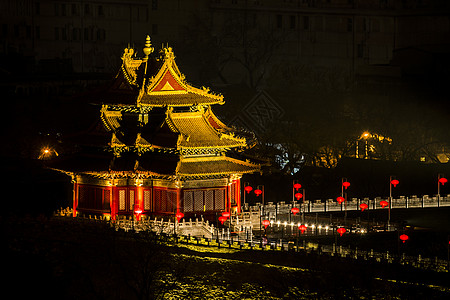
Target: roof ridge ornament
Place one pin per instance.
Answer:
(168, 53)
(148, 49)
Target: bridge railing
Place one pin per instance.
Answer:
(329, 205)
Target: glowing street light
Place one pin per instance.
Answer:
(47, 153)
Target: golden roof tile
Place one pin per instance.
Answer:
(196, 132)
(214, 166)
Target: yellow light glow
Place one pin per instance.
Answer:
(47, 153)
(365, 135)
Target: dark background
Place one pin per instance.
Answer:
(334, 69)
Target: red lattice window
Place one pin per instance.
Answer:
(147, 199)
(188, 201)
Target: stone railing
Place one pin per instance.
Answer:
(192, 228)
(308, 206)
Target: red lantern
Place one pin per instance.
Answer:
(295, 210)
(226, 214)
(297, 186)
(394, 182)
(265, 223)
(179, 216)
(248, 189)
(346, 184)
(443, 180)
(302, 228)
(340, 199)
(404, 238)
(384, 203)
(298, 196)
(341, 230)
(222, 219)
(363, 206)
(258, 192)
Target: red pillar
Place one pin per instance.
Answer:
(75, 199)
(114, 202)
(228, 208)
(238, 195)
(178, 199)
(139, 200)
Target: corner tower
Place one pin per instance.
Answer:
(158, 147)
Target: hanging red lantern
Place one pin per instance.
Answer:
(394, 182)
(226, 214)
(265, 223)
(404, 238)
(295, 210)
(363, 206)
(297, 186)
(179, 216)
(302, 228)
(298, 196)
(346, 184)
(258, 192)
(340, 199)
(384, 203)
(341, 230)
(138, 210)
(248, 189)
(443, 180)
(222, 219)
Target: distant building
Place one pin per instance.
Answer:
(359, 35)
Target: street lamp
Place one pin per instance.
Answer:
(441, 180)
(392, 182)
(247, 188)
(295, 194)
(345, 184)
(260, 191)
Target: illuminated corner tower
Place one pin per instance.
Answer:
(158, 147)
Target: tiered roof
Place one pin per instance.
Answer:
(161, 126)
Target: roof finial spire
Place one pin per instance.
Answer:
(148, 48)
